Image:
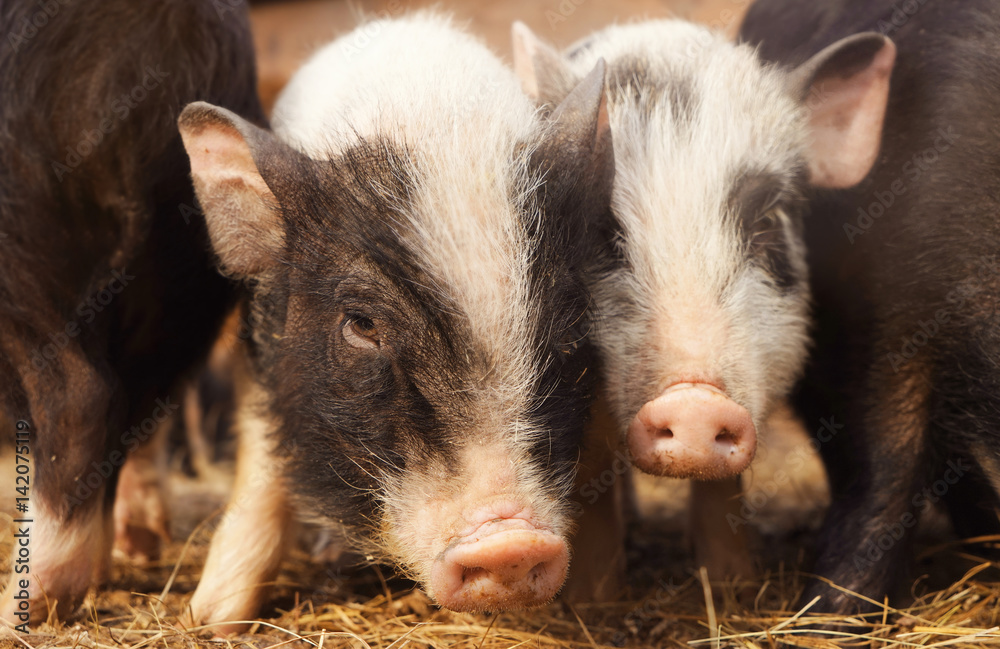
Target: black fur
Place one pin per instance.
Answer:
(78, 214)
(755, 199)
(632, 75)
(922, 273)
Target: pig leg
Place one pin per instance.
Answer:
(207, 400)
(971, 497)
(967, 428)
(877, 466)
(718, 546)
(597, 572)
(249, 542)
(194, 431)
(140, 511)
(67, 542)
(67, 555)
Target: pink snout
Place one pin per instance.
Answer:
(692, 430)
(504, 565)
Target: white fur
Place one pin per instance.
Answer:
(697, 311)
(439, 94)
(66, 558)
(249, 543)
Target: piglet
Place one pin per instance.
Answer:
(413, 239)
(108, 293)
(702, 303)
(905, 279)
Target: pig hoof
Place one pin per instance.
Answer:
(139, 544)
(140, 535)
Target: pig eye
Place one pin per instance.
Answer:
(766, 227)
(772, 218)
(360, 332)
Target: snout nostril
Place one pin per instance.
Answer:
(472, 574)
(692, 430)
(726, 437)
(537, 572)
(517, 566)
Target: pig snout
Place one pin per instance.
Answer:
(692, 430)
(504, 564)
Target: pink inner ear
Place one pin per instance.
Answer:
(240, 209)
(846, 117)
(603, 118)
(218, 153)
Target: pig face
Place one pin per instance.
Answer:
(703, 320)
(423, 329)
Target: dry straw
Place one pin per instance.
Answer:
(363, 610)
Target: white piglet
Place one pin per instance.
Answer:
(702, 310)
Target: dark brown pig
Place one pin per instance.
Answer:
(107, 286)
(906, 282)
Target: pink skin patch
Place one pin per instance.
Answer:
(502, 564)
(692, 430)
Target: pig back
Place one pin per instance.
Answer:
(93, 177)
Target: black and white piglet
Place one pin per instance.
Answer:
(413, 237)
(701, 314)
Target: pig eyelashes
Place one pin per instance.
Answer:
(767, 241)
(360, 332)
(570, 343)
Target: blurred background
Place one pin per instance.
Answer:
(286, 33)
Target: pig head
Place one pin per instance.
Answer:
(422, 312)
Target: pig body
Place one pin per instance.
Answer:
(419, 309)
(107, 286)
(905, 282)
(702, 311)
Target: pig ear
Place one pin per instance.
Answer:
(579, 150)
(846, 88)
(580, 123)
(241, 211)
(544, 73)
